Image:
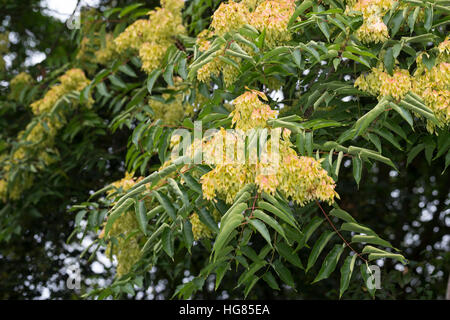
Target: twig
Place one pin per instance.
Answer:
(338, 233)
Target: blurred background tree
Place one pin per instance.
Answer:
(411, 209)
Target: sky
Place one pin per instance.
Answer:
(63, 9)
(60, 10)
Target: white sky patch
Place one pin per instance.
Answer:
(63, 9)
(59, 9)
(35, 58)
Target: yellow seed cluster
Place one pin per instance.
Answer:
(174, 110)
(124, 184)
(86, 53)
(379, 82)
(271, 16)
(13, 192)
(19, 83)
(251, 4)
(432, 85)
(250, 112)
(199, 229)
(203, 40)
(107, 51)
(373, 28)
(38, 137)
(95, 51)
(229, 17)
(298, 177)
(128, 249)
(151, 37)
(72, 80)
(4, 43)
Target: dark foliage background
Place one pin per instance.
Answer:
(410, 209)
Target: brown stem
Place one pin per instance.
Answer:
(338, 233)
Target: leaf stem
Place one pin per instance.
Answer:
(338, 233)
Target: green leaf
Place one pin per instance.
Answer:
(341, 214)
(299, 10)
(288, 253)
(405, 114)
(359, 51)
(346, 273)
(318, 247)
(153, 76)
(336, 63)
(207, 219)
(137, 133)
(359, 59)
(297, 55)
(227, 225)
(414, 152)
(117, 213)
(280, 214)
(220, 272)
(101, 87)
(270, 221)
(153, 237)
(261, 228)
(412, 19)
(309, 230)
(355, 227)
(309, 143)
(168, 75)
(188, 235)
(192, 183)
(389, 137)
(167, 242)
(395, 23)
(182, 70)
(430, 145)
(284, 273)
(389, 60)
(371, 239)
(376, 253)
(428, 18)
(330, 262)
(375, 140)
(323, 26)
(429, 60)
(249, 287)
(248, 275)
(363, 123)
(357, 169)
(366, 274)
(270, 280)
(178, 192)
(127, 70)
(141, 216)
(115, 80)
(165, 202)
(129, 9)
